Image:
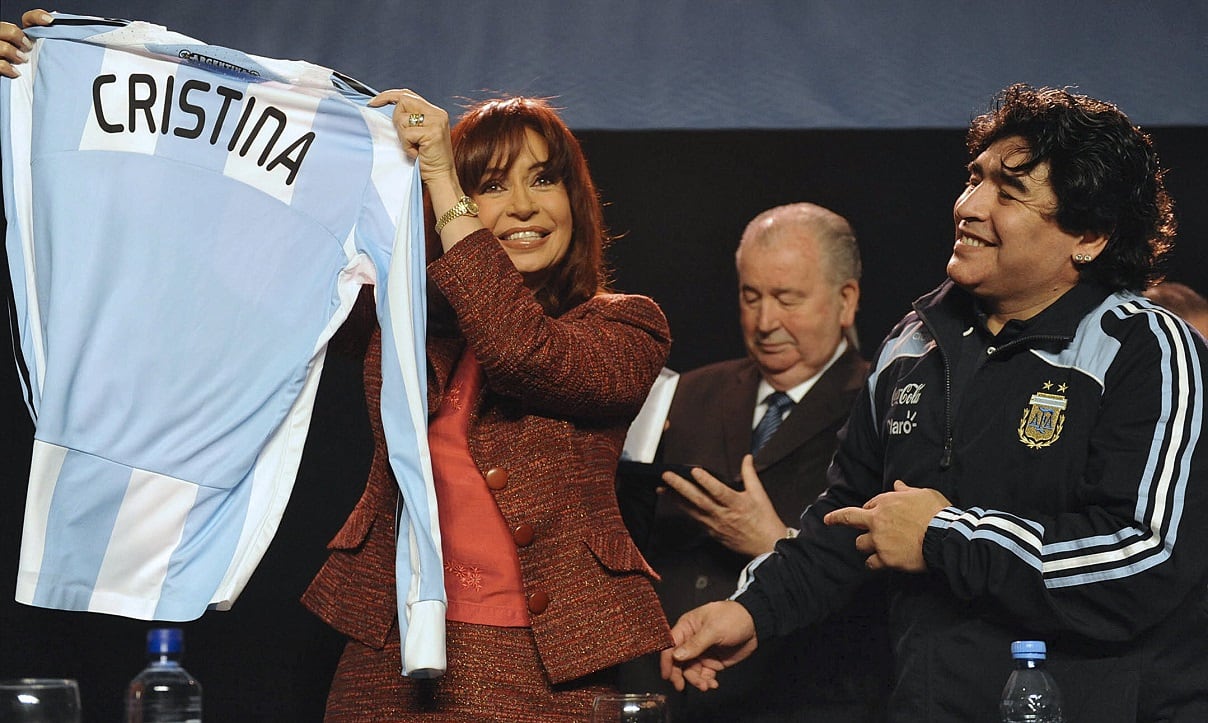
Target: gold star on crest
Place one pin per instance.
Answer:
(1048, 385)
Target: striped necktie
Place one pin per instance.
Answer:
(777, 403)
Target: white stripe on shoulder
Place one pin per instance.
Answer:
(1162, 487)
(911, 340)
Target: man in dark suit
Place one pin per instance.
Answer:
(798, 272)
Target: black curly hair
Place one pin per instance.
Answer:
(1103, 170)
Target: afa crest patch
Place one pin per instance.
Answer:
(1041, 423)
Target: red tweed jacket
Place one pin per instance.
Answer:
(559, 395)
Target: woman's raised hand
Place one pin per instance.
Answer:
(14, 44)
(424, 130)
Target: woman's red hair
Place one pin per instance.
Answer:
(492, 133)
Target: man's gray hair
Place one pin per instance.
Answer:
(834, 235)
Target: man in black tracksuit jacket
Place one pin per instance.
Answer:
(1027, 460)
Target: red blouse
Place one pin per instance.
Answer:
(482, 569)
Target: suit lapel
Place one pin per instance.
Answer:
(737, 404)
(817, 410)
(443, 353)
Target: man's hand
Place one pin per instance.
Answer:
(894, 525)
(743, 521)
(708, 639)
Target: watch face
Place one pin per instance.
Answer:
(471, 207)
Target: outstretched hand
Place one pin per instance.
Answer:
(744, 521)
(708, 640)
(894, 524)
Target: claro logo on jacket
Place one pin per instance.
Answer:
(903, 397)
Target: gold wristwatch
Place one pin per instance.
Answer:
(465, 206)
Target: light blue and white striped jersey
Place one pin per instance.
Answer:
(187, 227)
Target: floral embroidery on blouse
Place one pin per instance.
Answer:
(468, 576)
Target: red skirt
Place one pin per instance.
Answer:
(494, 675)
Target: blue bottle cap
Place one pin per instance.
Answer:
(163, 641)
(1028, 650)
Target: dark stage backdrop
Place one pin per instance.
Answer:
(640, 65)
(678, 201)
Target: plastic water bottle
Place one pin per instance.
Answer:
(1031, 694)
(164, 692)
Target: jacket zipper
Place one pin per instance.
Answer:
(946, 456)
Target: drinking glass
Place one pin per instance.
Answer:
(39, 700)
(629, 708)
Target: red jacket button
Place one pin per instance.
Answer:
(496, 478)
(523, 535)
(538, 602)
